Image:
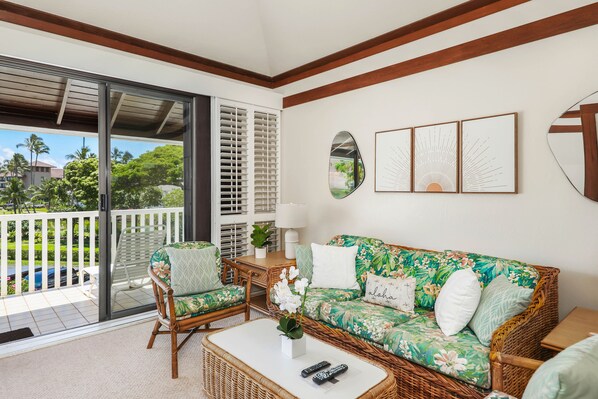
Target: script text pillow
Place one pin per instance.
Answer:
(334, 267)
(305, 262)
(500, 301)
(398, 293)
(457, 301)
(193, 271)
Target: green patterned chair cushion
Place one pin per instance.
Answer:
(315, 297)
(195, 270)
(487, 268)
(569, 375)
(460, 356)
(305, 261)
(160, 261)
(363, 319)
(194, 305)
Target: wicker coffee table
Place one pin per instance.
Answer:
(246, 362)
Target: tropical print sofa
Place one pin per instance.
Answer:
(459, 362)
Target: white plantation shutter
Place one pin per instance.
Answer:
(266, 161)
(246, 164)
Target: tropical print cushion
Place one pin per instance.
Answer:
(461, 356)
(345, 240)
(423, 265)
(194, 305)
(366, 320)
(315, 297)
(160, 261)
(487, 268)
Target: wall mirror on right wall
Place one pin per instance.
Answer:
(574, 143)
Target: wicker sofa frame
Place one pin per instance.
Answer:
(520, 336)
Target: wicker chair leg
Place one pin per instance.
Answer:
(175, 360)
(207, 326)
(150, 344)
(247, 312)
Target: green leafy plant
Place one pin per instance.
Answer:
(260, 237)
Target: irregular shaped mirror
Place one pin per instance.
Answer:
(346, 171)
(574, 143)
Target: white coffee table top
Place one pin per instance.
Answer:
(257, 344)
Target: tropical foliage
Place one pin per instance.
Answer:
(260, 237)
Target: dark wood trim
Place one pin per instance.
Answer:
(444, 20)
(555, 25)
(40, 20)
(565, 129)
(515, 155)
(590, 150)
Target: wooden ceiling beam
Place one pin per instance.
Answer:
(578, 18)
(65, 97)
(169, 107)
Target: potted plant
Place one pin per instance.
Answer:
(260, 239)
(293, 304)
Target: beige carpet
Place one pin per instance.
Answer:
(115, 364)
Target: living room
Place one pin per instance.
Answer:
(261, 105)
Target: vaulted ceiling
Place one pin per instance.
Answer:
(264, 36)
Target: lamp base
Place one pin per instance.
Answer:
(291, 239)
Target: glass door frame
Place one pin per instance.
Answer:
(105, 182)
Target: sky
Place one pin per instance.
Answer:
(61, 145)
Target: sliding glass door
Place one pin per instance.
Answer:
(146, 167)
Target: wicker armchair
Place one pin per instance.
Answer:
(519, 336)
(189, 322)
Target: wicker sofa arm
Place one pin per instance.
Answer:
(521, 336)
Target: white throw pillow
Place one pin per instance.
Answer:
(334, 267)
(397, 293)
(457, 301)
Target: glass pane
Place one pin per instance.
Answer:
(345, 171)
(147, 189)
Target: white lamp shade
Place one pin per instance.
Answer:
(291, 216)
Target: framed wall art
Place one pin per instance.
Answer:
(489, 154)
(393, 167)
(435, 158)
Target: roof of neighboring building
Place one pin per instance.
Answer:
(57, 173)
(42, 164)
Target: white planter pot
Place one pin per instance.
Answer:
(292, 347)
(260, 253)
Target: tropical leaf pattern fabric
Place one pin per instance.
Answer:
(194, 305)
(363, 319)
(160, 261)
(345, 240)
(423, 265)
(316, 296)
(461, 356)
(486, 268)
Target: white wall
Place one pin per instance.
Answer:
(548, 223)
(28, 44)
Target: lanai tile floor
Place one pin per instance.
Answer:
(60, 309)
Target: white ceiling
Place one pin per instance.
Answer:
(265, 36)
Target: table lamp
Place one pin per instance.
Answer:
(291, 216)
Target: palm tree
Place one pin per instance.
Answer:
(14, 193)
(121, 157)
(81, 154)
(17, 165)
(35, 145)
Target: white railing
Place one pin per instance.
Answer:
(67, 231)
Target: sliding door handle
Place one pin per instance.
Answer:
(103, 202)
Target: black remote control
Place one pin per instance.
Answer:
(312, 369)
(327, 375)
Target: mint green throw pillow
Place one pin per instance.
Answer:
(305, 261)
(500, 301)
(569, 375)
(193, 271)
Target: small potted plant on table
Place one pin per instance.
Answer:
(260, 239)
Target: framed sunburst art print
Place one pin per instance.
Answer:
(393, 160)
(489, 154)
(435, 158)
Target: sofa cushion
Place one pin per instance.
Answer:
(487, 268)
(305, 261)
(345, 240)
(461, 356)
(363, 319)
(194, 305)
(422, 265)
(315, 297)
